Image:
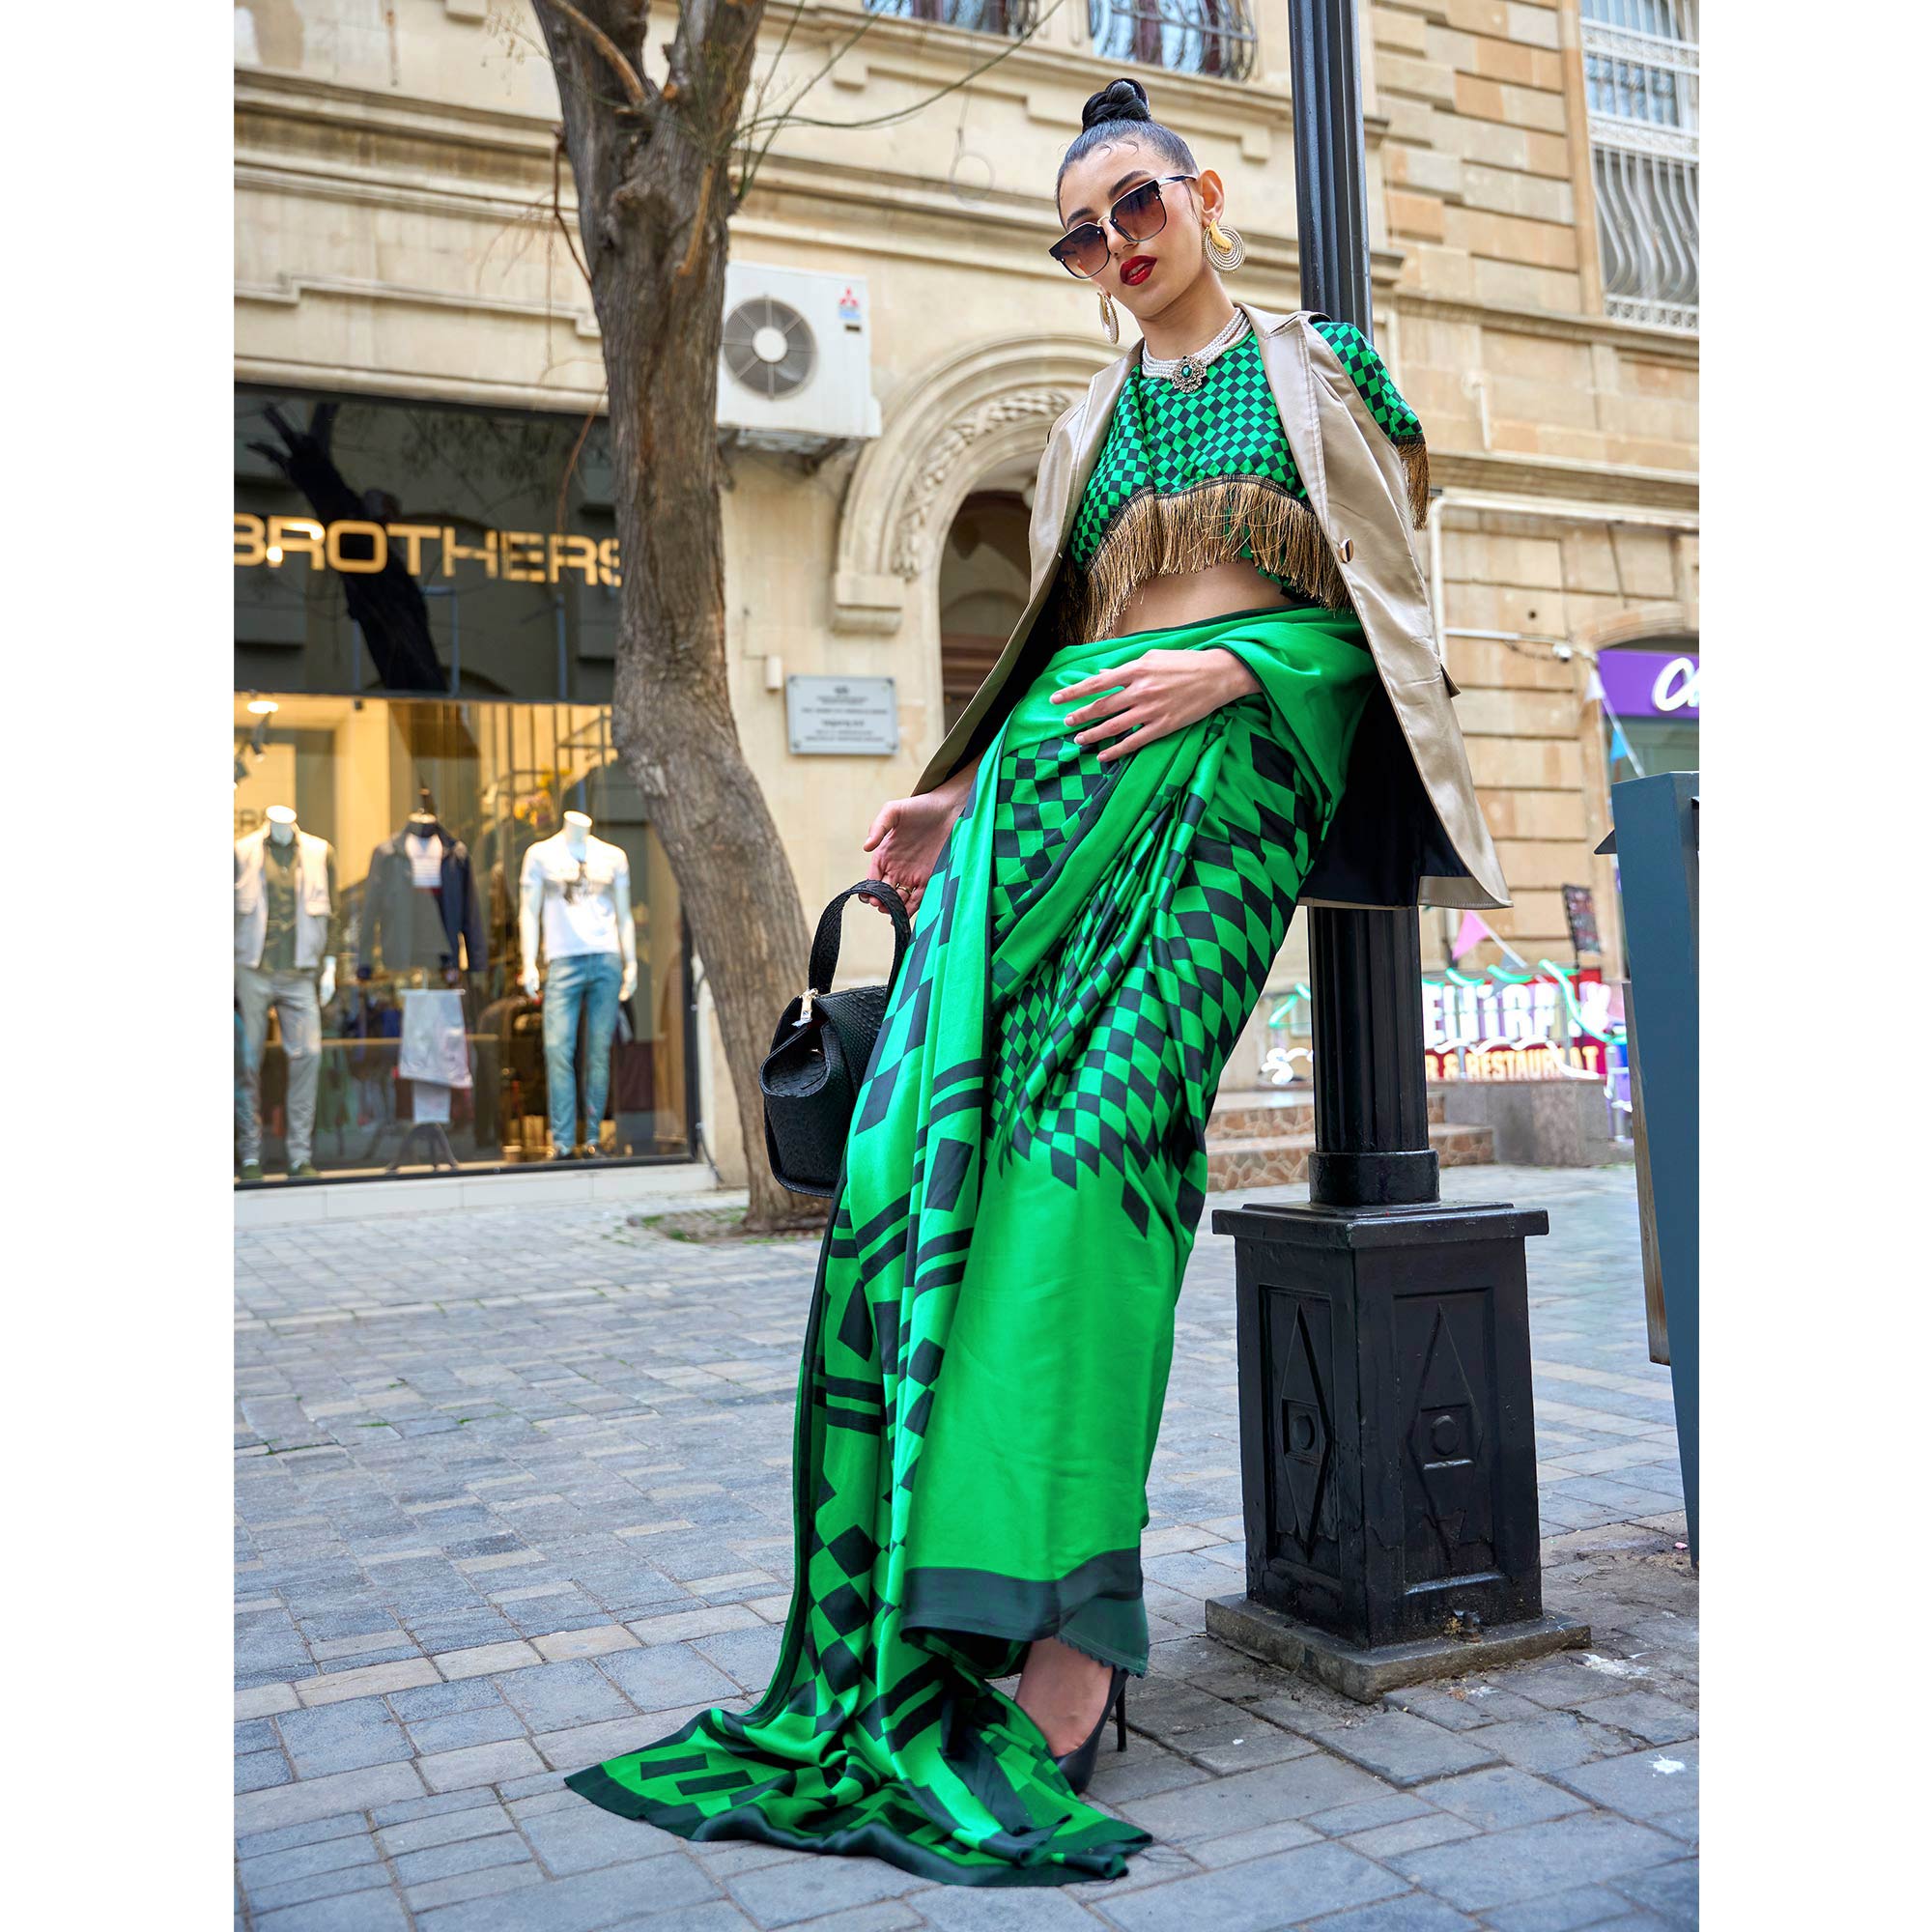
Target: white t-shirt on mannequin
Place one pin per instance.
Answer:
(579, 902)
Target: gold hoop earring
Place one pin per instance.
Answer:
(1110, 320)
(1225, 249)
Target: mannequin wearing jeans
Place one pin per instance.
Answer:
(576, 899)
(284, 934)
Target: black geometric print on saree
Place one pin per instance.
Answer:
(992, 1320)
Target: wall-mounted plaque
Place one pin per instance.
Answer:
(844, 716)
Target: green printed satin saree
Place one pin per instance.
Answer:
(992, 1321)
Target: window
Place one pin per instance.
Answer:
(1214, 36)
(1640, 78)
(1013, 19)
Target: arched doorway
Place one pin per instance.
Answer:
(983, 580)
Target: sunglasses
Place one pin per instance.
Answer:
(1140, 215)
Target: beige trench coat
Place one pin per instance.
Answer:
(1410, 829)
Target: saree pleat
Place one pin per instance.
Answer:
(991, 1326)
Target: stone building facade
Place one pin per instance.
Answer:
(396, 189)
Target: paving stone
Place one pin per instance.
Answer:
(588, 1839)
(591, 1743)
(313, 1832)
(588, 1902)
(488, 1659)
(440, 1804)
(666, 1674)
(1562, 1683)
(481, 1764)
(342, 1737)
(717, 1915)
(1223, 1804)
(808, 1886)
(325, 1797)
(490, 1883)
(1641, 1785)
(302, 1860)
(318, 1888)
(1586, 1905)
(960, 1908)
(1239, 1846)
(256, 1771)
(361, 1911)
(1407, 1750)
(563, 1697)
(488, 1726)
(594, 1641)
(1250, 1897)
(1500, 1867)
(888, 1915)
(1462, 1708)
(1434, 1828)
(1501, 1798)
(368, 1681)
(474, 1819)
(1410, 1911)
(1367, 1813)
(1670, 1891)
(1657, 1720)
(445, 1700)
(468, 1855)
(1678, 1823)
(1552, 1742)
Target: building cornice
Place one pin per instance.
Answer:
(1633, 338)
(1493, 473)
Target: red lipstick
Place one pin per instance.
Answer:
(1136, 268)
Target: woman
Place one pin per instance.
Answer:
(1103, 859)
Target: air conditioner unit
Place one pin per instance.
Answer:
(795, 365)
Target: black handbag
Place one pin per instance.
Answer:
(820, 1052)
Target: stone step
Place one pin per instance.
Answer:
(1258, 1112)
(1274, 1160)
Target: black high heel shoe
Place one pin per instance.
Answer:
(1077, 1764)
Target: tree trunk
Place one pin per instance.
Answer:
(654, 192)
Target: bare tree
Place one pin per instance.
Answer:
(655, 187)
(653, 194)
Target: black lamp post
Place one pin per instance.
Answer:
(1388, 1454)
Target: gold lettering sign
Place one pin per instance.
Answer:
(359, 549)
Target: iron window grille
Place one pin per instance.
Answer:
(1212, 36)
(1010, 20)
(1640, 80)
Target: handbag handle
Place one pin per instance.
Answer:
(825, 944)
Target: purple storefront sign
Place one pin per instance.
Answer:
(1650, 684)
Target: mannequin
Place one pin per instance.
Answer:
(575, 904)
(285, 920)
(420, 910)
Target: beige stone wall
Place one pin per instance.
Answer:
(394, 169)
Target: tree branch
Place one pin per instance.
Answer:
(634, 84)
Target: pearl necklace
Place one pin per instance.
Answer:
(1188, 371)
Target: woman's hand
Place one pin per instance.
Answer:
(1153, 695)
(909, 834)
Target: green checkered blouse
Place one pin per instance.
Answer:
(1187, 480)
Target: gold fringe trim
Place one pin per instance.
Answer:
(1191, 529)
(1414, 454)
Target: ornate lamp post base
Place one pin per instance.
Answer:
(1389, 1451)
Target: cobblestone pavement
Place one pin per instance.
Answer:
(512, 1498)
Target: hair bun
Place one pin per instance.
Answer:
(1123, 100)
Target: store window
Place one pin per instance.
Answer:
(1650, 706)
(458, 942)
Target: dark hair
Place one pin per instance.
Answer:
(1119, 110)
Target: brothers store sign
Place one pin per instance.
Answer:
(356, 547)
